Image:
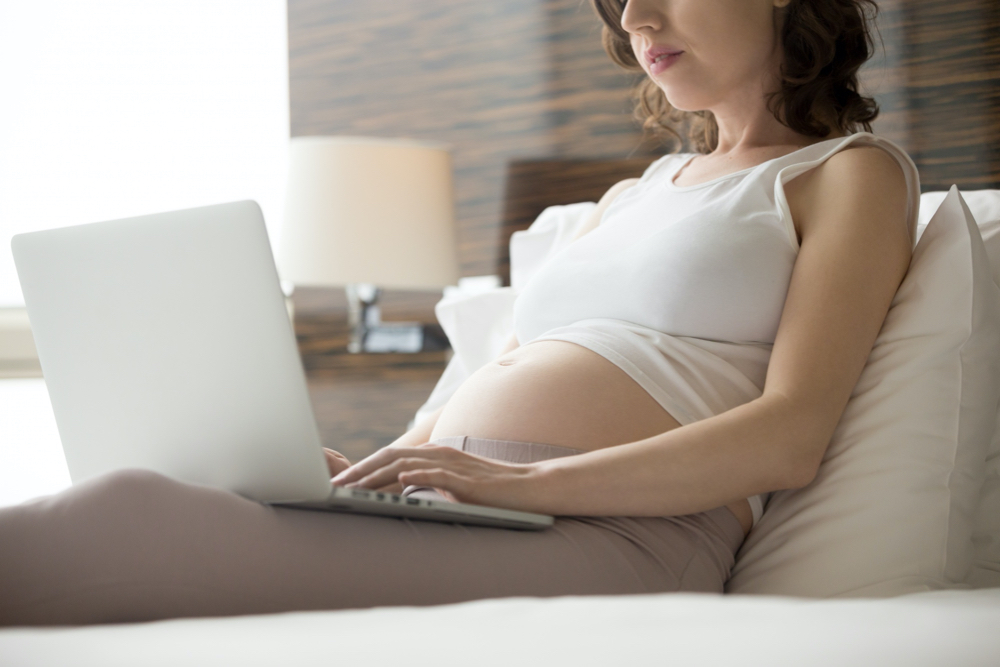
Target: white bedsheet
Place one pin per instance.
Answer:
(939, 628)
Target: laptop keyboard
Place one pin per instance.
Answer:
(383, 497)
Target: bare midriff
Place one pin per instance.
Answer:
(558, 393)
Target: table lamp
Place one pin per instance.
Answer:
(365, 214)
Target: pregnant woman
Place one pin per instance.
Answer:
(689, 353)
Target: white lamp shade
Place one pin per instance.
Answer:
(365, 210)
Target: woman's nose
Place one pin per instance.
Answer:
(640, 15)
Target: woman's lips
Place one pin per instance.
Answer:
(665, 61)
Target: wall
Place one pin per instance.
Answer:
(955, 91)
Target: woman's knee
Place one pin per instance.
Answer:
(139, 504)
(89, 523)
(129, 487)
(131, 479)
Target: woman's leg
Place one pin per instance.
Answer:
(136, 546)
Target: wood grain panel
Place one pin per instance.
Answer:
(941, 88)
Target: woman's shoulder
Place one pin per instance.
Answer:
(861, 167)
(857, 166)
(862, 140)
(862, 173)
(864, 160)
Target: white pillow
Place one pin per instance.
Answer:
(892, 508)
(986, 535)
(984, 204)
(985, 207)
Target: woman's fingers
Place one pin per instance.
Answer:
(383, 458)
(335, 461)
(360, 469)
(453, 486)
(390, 473)
(395, 487)
(458, 475)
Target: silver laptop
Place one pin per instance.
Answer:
(165, 345)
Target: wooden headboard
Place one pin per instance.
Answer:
(538, 115)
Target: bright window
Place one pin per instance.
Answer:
(114, 108)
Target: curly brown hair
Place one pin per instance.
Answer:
(825, 43)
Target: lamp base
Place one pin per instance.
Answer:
(395, 337)
(369, 333)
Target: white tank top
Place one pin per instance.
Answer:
(682, 287)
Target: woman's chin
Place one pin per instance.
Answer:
(683, 98)
(682, 103)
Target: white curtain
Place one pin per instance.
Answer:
(114, 108)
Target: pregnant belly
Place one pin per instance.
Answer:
(557, 393)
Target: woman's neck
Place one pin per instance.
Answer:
(741, 133)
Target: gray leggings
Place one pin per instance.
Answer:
(137, 546)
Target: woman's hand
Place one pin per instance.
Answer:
(457, 475)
